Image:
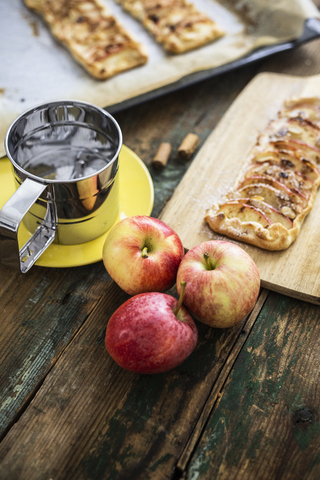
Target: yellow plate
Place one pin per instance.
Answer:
(136, 198)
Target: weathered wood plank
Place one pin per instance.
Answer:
(266, 424)
(92, 419)
(221, 379)
(41, 311)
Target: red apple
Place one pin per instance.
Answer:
(150, 333)
(142, 254)
(223, 283)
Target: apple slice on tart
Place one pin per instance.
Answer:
(273, 236)
(287, 203)
(277, 185)
(297, 129)
(298, 197)
(288, 160)
(296, 181)
(307, 108)
(310, 153)
(272, 214)
(254, 210)
(295, 134)
(244, 212)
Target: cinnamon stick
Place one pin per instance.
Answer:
(188, 146)
(162, 156)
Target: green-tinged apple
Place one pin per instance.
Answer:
(142, 254)
(151, 333)
(223, 283)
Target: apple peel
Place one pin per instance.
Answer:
(222, 283)
(145, 335)
(142, 254)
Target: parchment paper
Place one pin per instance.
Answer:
(34, 68)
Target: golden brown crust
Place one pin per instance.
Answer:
(176, 24)
(276, 188)
(92, 35)
(276, 237)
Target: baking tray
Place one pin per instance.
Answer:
(311, 31)
(34, 68)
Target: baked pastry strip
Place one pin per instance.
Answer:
(93, 36)
(276, 187)
(176, 24)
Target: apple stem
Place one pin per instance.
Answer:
(183, 288)
(145, 252)
(208, 261)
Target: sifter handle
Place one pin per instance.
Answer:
(11, 216)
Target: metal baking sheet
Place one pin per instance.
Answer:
(311, 31)
(35, 68)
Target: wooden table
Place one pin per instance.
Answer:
(245, 405)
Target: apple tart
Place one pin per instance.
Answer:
(277, 185)
(175, 24)
(91, 34)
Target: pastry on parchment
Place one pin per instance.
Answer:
(176, 24)
(92, 35)
(277, 185)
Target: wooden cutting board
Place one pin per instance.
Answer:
(295, 271)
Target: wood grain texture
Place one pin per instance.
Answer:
(41, 312)
(93, 420)
(266, 424)
(295, 271)
(215, 393)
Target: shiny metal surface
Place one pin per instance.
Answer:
(11, 216)
(65, 164)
